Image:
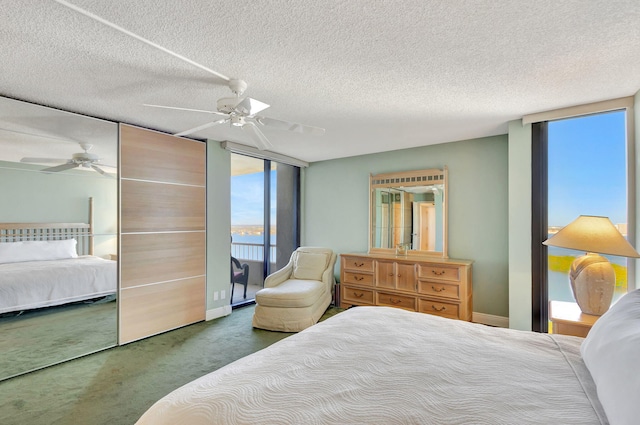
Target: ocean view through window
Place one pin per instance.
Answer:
(587, 175)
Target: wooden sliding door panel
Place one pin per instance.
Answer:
(150, 155)
(152, 309)
(163, 232)
(156, 207)
(167, 256)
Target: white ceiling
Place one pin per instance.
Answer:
(378, 75)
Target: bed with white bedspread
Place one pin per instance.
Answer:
(381, 365)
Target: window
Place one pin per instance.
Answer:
(586, 175)
(264, 219)
(582, 165)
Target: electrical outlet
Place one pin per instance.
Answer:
(222, 294)
(215, 296)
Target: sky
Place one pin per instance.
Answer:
(247, 199)
(587, 168)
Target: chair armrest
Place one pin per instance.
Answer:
(277, 277)
(328, 276)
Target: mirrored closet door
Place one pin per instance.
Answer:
(58, 236)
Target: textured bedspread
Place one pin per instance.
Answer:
(35, 284)
(380, 365)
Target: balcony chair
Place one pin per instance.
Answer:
(296, 296)
(240, 275)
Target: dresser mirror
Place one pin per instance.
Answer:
(408, 213)
(58, 236)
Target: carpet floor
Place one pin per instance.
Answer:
(118, 385)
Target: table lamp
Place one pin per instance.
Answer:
(592, 277)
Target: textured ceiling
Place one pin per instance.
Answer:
(377, 75)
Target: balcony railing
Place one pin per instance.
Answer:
(251, 251)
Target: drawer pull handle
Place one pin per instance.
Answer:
(443, 308)
(360, 295)
(358, 264)
(438, 273)
(358, 278)
(436, 289)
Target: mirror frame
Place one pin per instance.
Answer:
(403, 179)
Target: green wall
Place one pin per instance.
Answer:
(335, 207)
(519, 225)
(218, 228)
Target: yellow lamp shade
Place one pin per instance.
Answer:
(590, 233)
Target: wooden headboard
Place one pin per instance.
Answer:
(81, 232)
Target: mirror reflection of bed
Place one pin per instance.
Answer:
(52, 284)
(33, 139)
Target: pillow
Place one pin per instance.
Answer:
(309, 265)
(611, 351)
(15, 252)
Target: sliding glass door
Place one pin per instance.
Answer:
(264, 222)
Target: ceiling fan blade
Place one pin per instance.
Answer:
(59, 168)
(45, 160)
(186, 109)
(290, 126)
(250, 106)
(201, 127)
(101, 171)
(258, 137)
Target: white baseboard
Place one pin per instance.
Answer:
(218, 312)
(490, 319)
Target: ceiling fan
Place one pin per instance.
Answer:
(81, 159)
(239, 111)
(242, 112)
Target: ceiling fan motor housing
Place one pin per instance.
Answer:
(228, 104)
(84, 157)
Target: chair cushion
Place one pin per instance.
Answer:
(309, 265)
(291, 293)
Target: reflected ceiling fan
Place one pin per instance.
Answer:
(81, 159)
(242, 112)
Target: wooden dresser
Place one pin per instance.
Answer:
(425, 284)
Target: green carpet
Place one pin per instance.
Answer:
(118, 385)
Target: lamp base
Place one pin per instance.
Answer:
(592, 283)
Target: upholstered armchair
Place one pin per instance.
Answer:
(296, 296)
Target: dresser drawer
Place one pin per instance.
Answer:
(356, 295)
(358, 278)
(444, 309)
(435, 271)
(394, 300)
(357, 264)
(439, 289)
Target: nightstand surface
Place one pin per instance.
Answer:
(568, 319)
